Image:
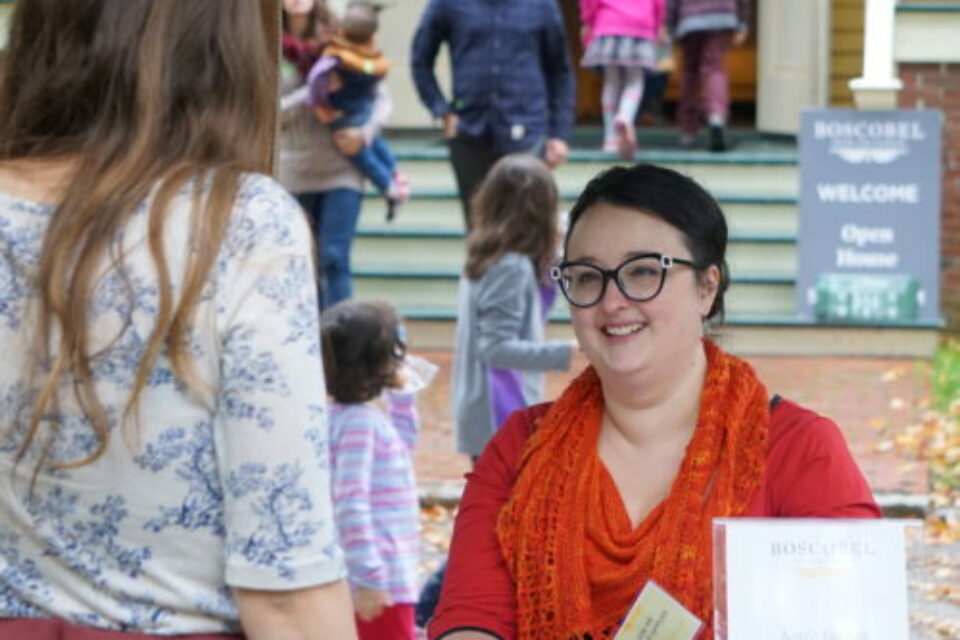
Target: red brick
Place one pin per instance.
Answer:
(951, 98)
(907, 99)
(944, 81)
(925, 67)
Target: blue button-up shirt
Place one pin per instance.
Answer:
(512, 78)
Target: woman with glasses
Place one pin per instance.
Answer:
(576, 505)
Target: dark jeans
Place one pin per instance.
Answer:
(377, 163)
(472, 158)
(430, 596)
(333, 215)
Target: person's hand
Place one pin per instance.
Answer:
(326, 114)
(349, 141)
(740, 37)
(556, 152)
(370, 603)
(451, 123)
(336, 82)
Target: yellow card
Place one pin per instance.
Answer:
(656, 615)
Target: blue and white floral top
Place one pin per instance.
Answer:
(195, 493)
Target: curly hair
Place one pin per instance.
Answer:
(362, 349)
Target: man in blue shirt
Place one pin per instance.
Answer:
(512, 82)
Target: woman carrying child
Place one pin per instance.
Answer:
(311, 161)
(343, 86)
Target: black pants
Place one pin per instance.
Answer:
(472, 159)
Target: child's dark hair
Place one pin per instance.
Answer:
(514, 209)
(362, 349)
(360, 22)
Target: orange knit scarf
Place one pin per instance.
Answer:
(565, 535)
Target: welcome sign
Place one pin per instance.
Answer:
(869, 226)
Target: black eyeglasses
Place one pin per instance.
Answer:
(639, 278)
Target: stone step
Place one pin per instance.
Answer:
(748, 177)
(447, 252)
(747, 335)
(439, 210)
(749, 295)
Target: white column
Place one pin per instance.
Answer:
(877, 87)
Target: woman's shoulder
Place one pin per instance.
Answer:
(264, 190)
(811, 471)
(790, 421)
(509, 440)
(799, 433)
(265, 215)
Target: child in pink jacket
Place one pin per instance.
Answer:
(622, 38)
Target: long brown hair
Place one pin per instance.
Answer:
(515, 209)
(141, 95)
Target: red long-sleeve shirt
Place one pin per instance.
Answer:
(809, 474)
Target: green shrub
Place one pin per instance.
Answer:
(946, 375)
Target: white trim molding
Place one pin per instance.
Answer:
(877, 87)
(927, 33)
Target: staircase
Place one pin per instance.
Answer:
(414, 262)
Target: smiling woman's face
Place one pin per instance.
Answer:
(298, 7)
(618, 335)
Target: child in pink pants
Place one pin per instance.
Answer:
(705, 30)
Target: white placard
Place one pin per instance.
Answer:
(790, 579)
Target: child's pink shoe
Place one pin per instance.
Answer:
(626, 138)
(397, 194)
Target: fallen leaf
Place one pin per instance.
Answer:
(892, 375)
(884, 446)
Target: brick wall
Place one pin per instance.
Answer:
(937, 86)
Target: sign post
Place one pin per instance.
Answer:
(869, 233)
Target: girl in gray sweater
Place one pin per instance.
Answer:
(505, 295)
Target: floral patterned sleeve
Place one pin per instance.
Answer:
(272, 436)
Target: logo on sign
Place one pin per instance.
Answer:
(868, 141)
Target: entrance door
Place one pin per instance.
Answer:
(794, 69)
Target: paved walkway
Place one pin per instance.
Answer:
(872, 399)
